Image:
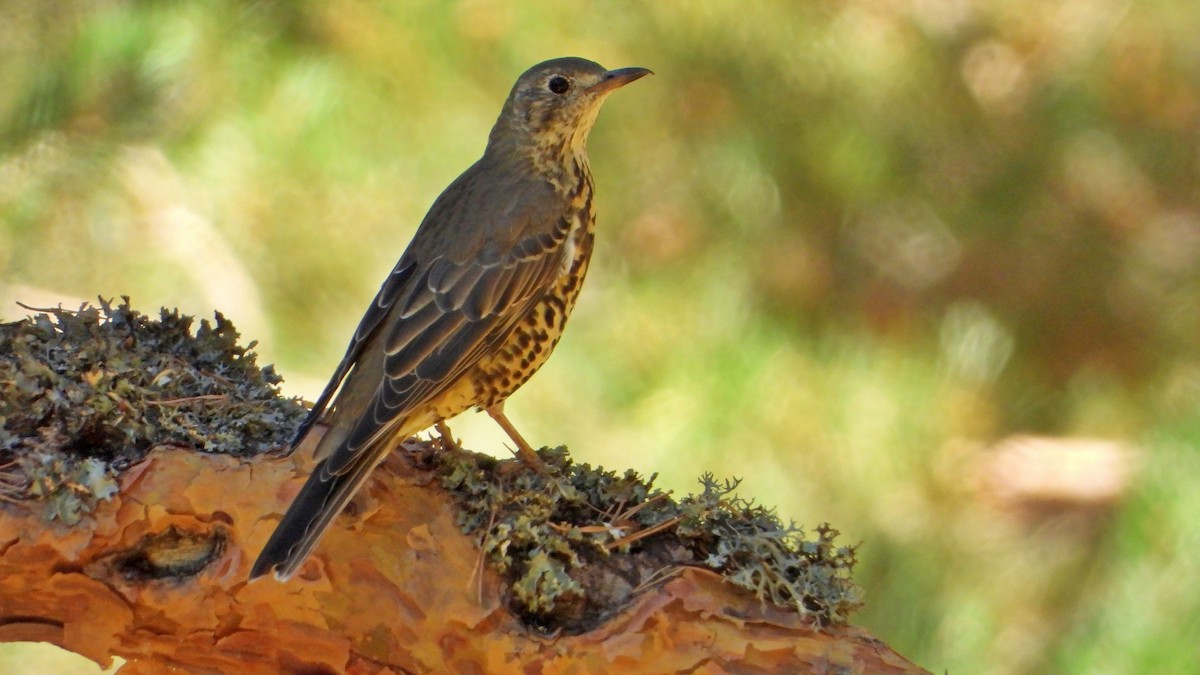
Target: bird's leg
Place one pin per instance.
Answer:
(448, 442)
(524, 451)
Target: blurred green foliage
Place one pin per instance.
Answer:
(845, 247)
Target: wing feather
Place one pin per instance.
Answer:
(400, 276)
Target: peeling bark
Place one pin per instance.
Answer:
(157, 576)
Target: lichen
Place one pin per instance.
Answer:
(578, 543)
(85, 393)
(754, 549)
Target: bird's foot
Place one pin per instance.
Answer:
(524, 452)
(449, 444)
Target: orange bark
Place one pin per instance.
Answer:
(157, 576)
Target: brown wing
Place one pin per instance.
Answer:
(395, 283)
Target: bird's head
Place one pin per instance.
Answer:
(553, 106)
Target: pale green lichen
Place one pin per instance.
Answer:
(578, 543)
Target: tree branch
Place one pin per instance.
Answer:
(157, 576)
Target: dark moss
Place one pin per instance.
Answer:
(578, 543)
(88, 392)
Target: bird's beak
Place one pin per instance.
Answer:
(615, 79)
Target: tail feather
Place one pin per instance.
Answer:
(320, 500)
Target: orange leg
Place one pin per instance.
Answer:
(448, 441)
(524, 451)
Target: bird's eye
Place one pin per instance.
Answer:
(558, 84)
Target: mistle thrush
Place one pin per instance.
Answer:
(474, 306)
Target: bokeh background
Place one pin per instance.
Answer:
(926, 269)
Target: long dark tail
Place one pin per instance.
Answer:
(320, 500)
